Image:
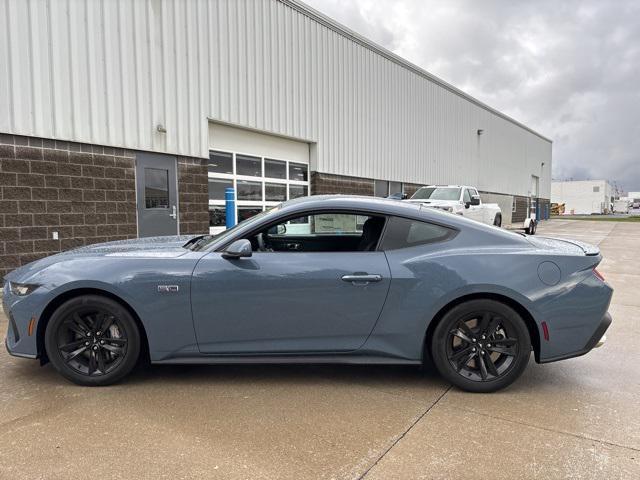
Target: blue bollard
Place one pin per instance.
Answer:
(230, 206)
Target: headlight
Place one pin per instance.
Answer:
(22, 289)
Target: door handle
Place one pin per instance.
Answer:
(174, 212)
(362, 278)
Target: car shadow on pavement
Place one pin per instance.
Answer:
(387, 377)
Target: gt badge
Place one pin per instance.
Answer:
(168, 288)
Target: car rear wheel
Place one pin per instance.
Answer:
(481, 346)
(92, 340)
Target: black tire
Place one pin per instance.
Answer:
(531, 230)
(461, 357)
(92, 340)
(498, 220)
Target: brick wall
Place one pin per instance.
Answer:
(521, 209)
(86, 193)
(325, 183)
(193, 192)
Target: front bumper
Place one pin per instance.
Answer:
(19, 312)
(597, 340)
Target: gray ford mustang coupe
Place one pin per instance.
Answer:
(325, 279)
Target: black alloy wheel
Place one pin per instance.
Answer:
(481, 346)
(92, 340)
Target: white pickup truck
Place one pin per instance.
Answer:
(459, 199)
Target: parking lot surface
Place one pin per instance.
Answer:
(579, 418)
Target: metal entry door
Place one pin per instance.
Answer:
(156, 194)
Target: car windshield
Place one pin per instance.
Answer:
(437, 193)
(200, 243)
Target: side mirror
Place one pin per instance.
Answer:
(404, 196)
(475, 200)
(238, 249)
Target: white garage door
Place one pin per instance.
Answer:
(263, 169)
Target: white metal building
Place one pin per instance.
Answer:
(264, 79)
(584, 197)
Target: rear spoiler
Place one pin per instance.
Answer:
(587, 248)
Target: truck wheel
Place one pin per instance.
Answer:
(498, 220)
(531, 229)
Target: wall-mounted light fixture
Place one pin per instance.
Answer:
(480, 131)
(161, 128)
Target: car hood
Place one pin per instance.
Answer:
(565, 246)
(150, 247)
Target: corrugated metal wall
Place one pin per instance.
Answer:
(109, 71)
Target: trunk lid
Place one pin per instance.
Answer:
(563, 245)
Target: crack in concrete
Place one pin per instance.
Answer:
(397, 440)
(547, 429)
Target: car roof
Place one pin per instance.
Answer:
(358, 202)
(384, 206)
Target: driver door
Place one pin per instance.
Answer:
(309, 290)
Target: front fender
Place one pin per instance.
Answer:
(165, 316)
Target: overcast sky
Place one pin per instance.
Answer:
(568, 69)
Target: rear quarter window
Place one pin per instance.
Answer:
(404, 233)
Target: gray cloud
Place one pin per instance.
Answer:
(570, 70)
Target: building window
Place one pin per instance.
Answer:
(275, 168)
(596, 189)
(395, 187)
(298, 172)
(217, 217)
(156, 188)
(260, 183)
(221, 162)
(275, 192)
(217, 187)
(249, 166)
(296, 191)
(247, 212)
(249, 190)
(380, 188)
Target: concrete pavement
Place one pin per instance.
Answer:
(574, 419)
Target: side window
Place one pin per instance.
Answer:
(403, 233)
(473, 192)
(321, 232)
(467, 196)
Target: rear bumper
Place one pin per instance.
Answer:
(597, 340)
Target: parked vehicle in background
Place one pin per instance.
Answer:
(459, 199)
(621, 206)
(398, 196)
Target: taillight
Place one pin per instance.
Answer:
(598, 274)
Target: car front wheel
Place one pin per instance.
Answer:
(92, 340)
(481, 346)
